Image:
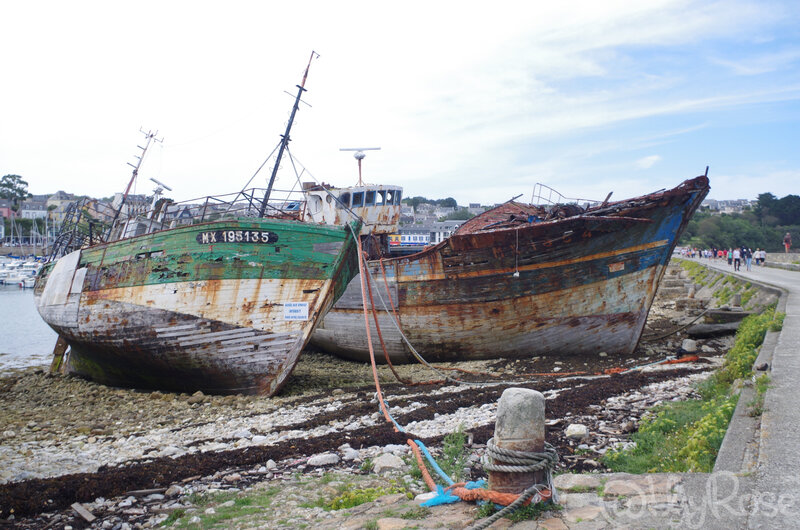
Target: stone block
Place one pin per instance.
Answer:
(571, 481)
(584, 513)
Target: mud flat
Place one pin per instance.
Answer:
(133, 458)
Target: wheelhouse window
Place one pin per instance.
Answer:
(358, 199)
(380, 200)
(344, 201)
(370, 201)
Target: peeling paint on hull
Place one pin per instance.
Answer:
(170, 311)
(579, 285)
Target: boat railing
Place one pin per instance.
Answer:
(88, 222)
(545, 195)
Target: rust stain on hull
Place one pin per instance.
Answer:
(580, 284)
(237, 326)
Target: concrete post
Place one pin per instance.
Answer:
(519, 427)
(736, 300)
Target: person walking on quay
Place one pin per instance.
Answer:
(737, 259)
(748, 258)
(730, 257)
(787, 242)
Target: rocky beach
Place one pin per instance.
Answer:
(133, 459)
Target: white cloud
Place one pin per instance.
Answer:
(465, 101)
(647, 162)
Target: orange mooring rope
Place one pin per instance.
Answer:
(383, 345)
(414, 447)
(465, 494)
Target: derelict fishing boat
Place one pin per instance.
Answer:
(521, 280)
(219, 294)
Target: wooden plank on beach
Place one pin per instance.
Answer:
(142, 493)
(83, 512)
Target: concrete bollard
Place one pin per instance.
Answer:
(519, 427)
(736, 300)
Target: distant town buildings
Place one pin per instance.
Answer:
(727, 206)
(32, 209)
(425, 225)
(6, 208)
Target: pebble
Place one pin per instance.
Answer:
(324, 459)
(350, 454)
(387, 462)
(576, 431)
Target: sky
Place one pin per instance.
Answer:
(469, 100)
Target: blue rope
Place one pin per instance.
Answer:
(380, 408)
(443, 497)
(433, 463)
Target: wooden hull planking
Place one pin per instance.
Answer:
(579, 285)
(173, 311)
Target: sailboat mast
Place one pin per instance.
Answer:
(285, 137)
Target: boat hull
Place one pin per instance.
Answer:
(579, 285)
(187, 310)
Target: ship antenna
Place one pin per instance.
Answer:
(285, 137)
(360, 155)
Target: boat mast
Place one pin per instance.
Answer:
(285, 137)
(150, 136)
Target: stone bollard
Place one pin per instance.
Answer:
(519, 427)
(736, 300)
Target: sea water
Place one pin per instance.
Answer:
(25, 340)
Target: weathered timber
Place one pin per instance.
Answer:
(720, 316)
(222, 307)
(508, 284)
(702, 331)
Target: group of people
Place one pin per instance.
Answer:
(734, 256)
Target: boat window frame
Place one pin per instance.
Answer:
(358, 199)
(369, 198)
(344, 200)
(382, 195)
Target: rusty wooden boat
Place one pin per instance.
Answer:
(218, 294)
(521, 280)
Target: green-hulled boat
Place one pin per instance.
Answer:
(218, 295)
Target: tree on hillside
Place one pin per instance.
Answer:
(414, 201)
(764, 208)
(787, 209)
(772, 211)
(447, 203)
(13, 188)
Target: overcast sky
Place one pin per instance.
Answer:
(472, 100)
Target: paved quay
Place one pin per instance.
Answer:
(771, 488)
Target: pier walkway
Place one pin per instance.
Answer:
(775, 483)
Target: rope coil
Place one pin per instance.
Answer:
(523, 461)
